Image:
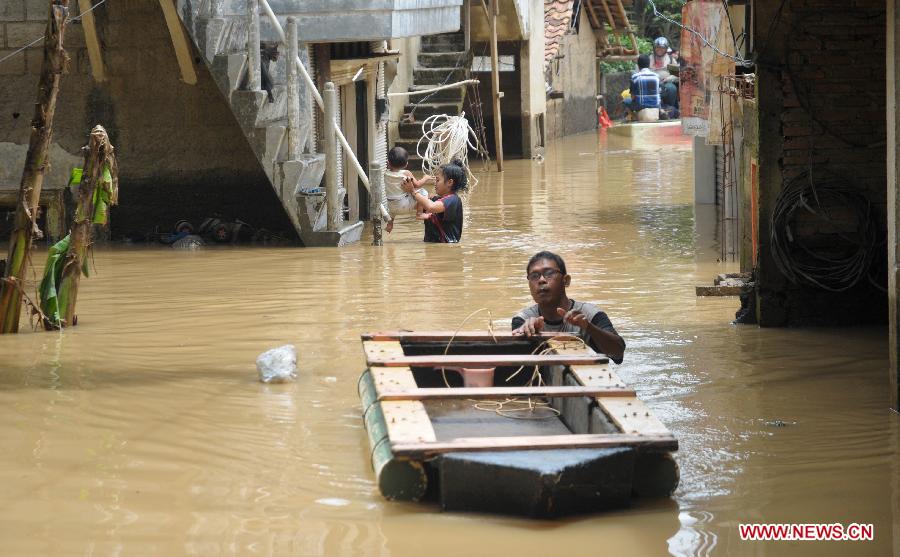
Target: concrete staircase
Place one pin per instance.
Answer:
(222, 39)
(442, 59)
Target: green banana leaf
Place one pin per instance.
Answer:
(56, 258)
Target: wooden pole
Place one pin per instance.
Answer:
(376, 198)
(91, 40)
(293, 99)
(333, 207)
(100, 173)
(495, 85)
(254, 62)
(52, 68)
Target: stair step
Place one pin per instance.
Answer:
(422, 111)
(444, 42)
(410, 131)
(408, 144)
(443, 59)
(443, 96)
(438, 76)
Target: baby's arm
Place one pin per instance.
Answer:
(419, 183)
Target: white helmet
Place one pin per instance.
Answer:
(661, 42)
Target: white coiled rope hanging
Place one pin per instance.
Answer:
(446, 138)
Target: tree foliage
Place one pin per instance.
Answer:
(647, 24)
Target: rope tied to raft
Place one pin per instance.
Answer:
(510, 407)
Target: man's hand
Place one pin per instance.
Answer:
(531, 326)
(574, 317)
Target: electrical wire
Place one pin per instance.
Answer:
(739, 59)
(847, 258)
(42, 37)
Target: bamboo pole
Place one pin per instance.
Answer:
(98, 191)
(495, 85)
(52, 68)
(376, 198)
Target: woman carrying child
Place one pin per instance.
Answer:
(396, 174)
(443, 213)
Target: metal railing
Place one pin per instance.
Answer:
(295, 67)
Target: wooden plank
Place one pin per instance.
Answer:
(91, 40)
(180, 42)
(609, 16)
(488, 360)
(629, 414)
(392, 379)
(501, 392)
(381, 349)
(407, 422)
(461, 336)
(632, 416)
(592, 16)
(483, 444)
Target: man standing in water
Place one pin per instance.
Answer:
(555, 312)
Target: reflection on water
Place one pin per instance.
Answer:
(144, 429)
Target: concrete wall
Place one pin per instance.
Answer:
(534, 99)
(575, 74)
(821, 101)
(893, 214)
(181, 152)
(403, 79)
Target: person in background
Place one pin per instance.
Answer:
(554, 311)
(660, 61)
(644, 87)
(443, 213)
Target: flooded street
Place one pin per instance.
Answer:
(144, 430)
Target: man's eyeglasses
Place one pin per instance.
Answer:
(548, 274)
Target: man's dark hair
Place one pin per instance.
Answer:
(549, 255)
(643, 61)
(398, 157)
(455, 171)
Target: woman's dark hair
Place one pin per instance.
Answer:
(548, 255)
(398, 157)
(455, 171)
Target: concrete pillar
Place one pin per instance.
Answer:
(893, 49)
(295, 146)
(333, 204)
(254, 62)
(704, 172)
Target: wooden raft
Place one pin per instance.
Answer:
(409, 428)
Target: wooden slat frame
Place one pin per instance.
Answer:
(629, 414)
(482, 444)
(501, 392)
(411, 433)
(487, 360)
(461, 336)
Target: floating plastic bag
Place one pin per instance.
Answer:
(278, 365)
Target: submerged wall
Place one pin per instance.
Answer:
(181, 152)
(821, 106)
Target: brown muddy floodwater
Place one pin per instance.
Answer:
(144, 431)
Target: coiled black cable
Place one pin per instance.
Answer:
(802, 258)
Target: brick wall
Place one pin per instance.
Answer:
(822, 113)
(181, 152)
